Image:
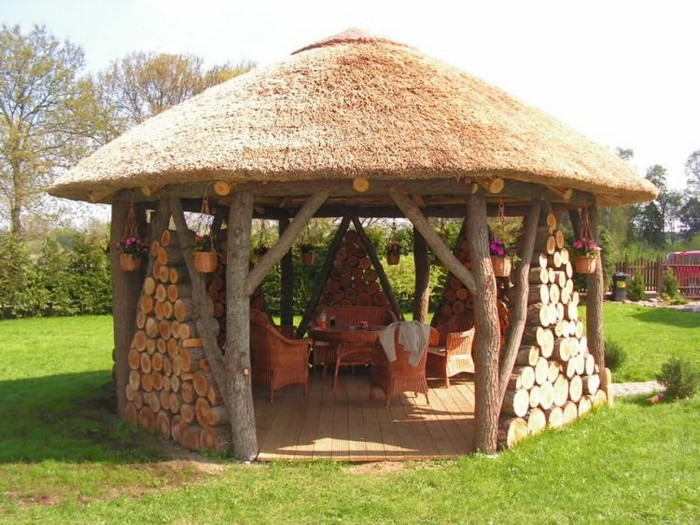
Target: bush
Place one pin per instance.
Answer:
(615, 355)
(679, 378)
(636, 290)
(669, 290)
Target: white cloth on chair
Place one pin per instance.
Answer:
(413, 336)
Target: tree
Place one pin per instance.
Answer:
(43, 108)
(692, 172)
(143, 84)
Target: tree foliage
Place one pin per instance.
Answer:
(143, 84)
(46, 114)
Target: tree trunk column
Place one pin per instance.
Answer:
(237, 358)
(487, 341)
(421, 258)
(287, 282)
(126, 288)
(595, 290)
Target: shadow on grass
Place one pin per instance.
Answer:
(69, 417)
(669, 316)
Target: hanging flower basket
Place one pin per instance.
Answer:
(129, 262)
(308, 255)
(585, 264)
(393, 253)
(131, 252)
(502, 266)
(586, 252)
(205, 257)
(502, 258)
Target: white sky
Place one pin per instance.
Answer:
(622, 72)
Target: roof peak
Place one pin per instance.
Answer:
(349, 36)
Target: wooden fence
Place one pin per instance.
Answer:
(686, 271)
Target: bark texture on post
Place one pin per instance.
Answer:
(323, 277)
(486, 344)
(595, 290)
(126, 288)
(518, 310)
(421, 258)
(238, 385)
(286, 282)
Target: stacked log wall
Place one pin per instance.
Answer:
(555, 380)
(171, 390)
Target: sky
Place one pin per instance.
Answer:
(624, 73)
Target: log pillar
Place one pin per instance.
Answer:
(487, 340)
(595, 290)
(237, 357)
(126, 288)
(421, 258)
(287, 282)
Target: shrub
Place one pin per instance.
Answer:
(636, 290)
(669, 290)
(615, 355)
(679, 378)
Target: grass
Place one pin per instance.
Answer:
(650, 336)
(65, 459)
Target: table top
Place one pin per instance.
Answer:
(347, 334)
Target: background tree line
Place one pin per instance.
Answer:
(53, 113)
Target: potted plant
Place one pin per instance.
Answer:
(586, 252)
(307, 254)
(131, 252)
(502, 257)
(393, 253)
(205, 256)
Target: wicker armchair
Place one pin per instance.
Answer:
(399, 376)
(453, 358)
(276, 361)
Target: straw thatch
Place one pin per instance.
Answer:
(353, 105)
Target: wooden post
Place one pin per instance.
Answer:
(379, 268)
(284, 243)
(421, 297)
(323, 277)
(126, 288)
(518, 310)
(237, 358)
(286, 282)
(659, 275)
(440, 249)
(487, 341)
(595, 289)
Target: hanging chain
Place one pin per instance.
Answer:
(131, 228)
(205, 218)
(585, 225)
(501, 215)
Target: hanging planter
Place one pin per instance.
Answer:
(308, 255)
(205, 257)
(502, 266)
(585, 264)
(131, 248)
(393, 253)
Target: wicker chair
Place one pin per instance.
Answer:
(399, 376)
(276, 361)
(454, 357)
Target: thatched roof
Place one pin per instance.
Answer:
(351, 105)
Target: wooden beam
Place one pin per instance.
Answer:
(421, 296)
(126, 288)
(284, 243)
(150, 191)
(383, 279)
(440, 249)
(563, 193)
(237, 358)
(223, 188)
(286, 281)
(203, 306)
(99, 196)
(518, 306)
(487, 341)
(324, 276)
(595, 290)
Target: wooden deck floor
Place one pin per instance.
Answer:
(350, 427)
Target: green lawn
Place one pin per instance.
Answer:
(65, 459)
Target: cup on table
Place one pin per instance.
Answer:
(364, 325)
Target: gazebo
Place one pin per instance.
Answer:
(352, 126)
